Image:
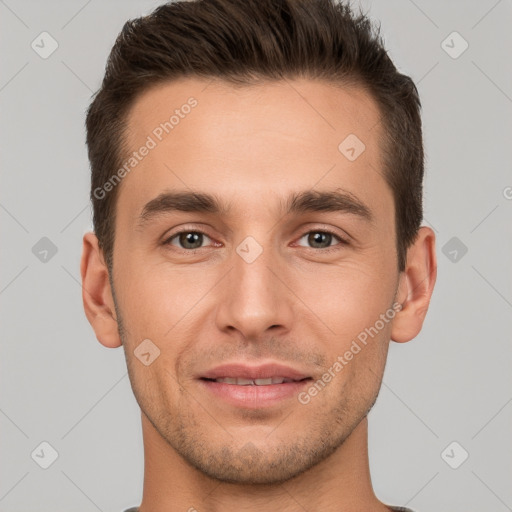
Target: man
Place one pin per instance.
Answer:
(257, 177)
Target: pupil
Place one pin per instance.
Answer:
(317, 237)
(191, 238)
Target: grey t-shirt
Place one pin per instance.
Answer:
(396, 509)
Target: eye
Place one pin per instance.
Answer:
(188, 240)
(321, 239)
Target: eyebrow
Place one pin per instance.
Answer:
(297, 203)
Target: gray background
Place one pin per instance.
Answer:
(453, 383)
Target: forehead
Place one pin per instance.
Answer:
(303, 109)
(243, 141)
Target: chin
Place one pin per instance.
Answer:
(251, 465)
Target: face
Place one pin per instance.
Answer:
(276, 272)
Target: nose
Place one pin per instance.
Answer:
(254, 299)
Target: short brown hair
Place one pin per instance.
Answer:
(243, 42)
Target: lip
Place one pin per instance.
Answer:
(244, 371)
(254, 397)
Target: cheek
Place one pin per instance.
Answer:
(348, 298)
(157, 298)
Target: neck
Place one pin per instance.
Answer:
(340, 482)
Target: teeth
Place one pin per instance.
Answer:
(253, 382)
(262, 382)
(244, 382)
(227, 380)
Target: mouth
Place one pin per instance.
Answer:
(240, 381)
(253, 387)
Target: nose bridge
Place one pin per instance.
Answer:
(254, 299)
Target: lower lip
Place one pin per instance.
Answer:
(254, 397)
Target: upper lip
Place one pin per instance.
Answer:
(244, 371)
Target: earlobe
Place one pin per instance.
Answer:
(415, 287)
(97, 294)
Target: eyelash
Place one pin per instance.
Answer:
(336, 247)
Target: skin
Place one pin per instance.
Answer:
(295, 304)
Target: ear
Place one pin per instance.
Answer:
(415, 286)
(97, 294)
